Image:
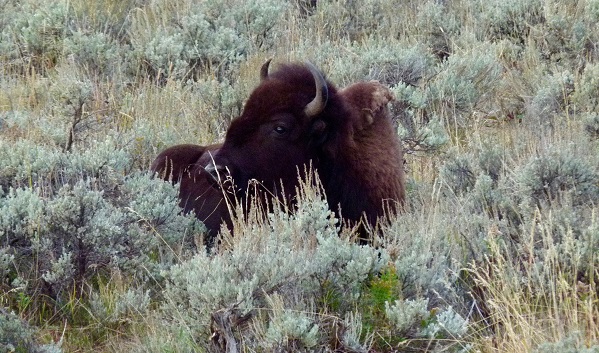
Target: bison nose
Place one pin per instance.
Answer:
(216, 171)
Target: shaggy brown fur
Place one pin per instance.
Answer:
(348, 138)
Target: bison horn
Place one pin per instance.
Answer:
(264, 70)
(317, 105)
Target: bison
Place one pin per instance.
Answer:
(294, 118)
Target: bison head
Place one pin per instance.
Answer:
(282, 127)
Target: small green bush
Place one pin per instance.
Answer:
(350, 19)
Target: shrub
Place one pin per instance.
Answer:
(586, 90)
(34, 35)
(16, 336)
(567, 34)
(162, 55)
(289, 329)
(551, 99)
(407, 314)
(96, 53)
(205, 38)
(561, 174)
(459, 174)
(552, 257)
(71, 92)
(355, 336)
(413, 315)
(591, 125)
(75, 216)
(349, 19)
(284, 275)
(570, 344)
(428, 250)
(223, 98)
(419, 133)
(436, 24)
(281, 268)
(108, 18)
(510, 19)
(80, 231)
(462, 84)
(115, 305)
(377, 60)
(412, 319)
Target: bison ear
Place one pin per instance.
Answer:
(318, 132)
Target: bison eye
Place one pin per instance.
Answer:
(281, 130)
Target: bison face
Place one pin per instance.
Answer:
(269, 153)
(280, 131)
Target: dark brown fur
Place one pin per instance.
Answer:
(351, 143)
(368, 176)
(185, 164)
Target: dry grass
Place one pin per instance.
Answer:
(525, 312)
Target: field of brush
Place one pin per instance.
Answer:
(497, 107)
